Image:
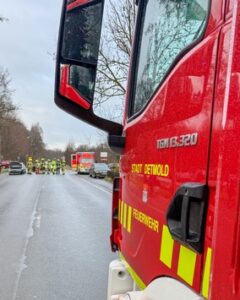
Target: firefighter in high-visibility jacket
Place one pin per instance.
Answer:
(63, 165)
(53, 166)
(42, 166)
(49, 166)
(58, 166)
(37, 166)
(29, 165)
(46, 166)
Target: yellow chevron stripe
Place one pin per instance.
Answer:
(122, 212)
(125, 215)
(129, 221)
(166, 250)
(186, 264)
(206, 273)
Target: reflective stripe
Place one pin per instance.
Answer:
(122, 212)
(125, 215)
(166, 248)
(119, 210)
(186, 264)
(129, 223)
(206, 273)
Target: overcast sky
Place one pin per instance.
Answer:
(26, 41)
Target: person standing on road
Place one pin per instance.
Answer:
(58, 166)
(37, 166)
(53, 166)
(46, 166)
(42, 167)
(63, 165)
(49, 167)
(29, 165)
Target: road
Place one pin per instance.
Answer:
(54, 237)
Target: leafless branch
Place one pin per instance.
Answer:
(115, 51)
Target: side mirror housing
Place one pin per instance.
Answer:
(76, 62)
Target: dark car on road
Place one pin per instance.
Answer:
(17, 168)
(98, 170)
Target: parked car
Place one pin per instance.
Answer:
(17, 168)
(98, 170)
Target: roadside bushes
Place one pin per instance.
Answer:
(113, 171)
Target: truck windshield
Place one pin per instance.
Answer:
(168, 28)
(87, 160)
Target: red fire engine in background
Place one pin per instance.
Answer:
(84, 161)
(73, 162)
(176, 205)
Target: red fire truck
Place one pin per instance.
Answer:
(176, 205)
(84, 161)
(74, 162)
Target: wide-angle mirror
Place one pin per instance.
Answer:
(77, 58)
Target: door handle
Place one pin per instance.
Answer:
(186, 216)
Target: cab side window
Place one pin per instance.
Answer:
(169, 27)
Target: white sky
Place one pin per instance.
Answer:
(26, 41)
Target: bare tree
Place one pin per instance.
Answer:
(6, 106)
(115, 51)
(14, 137)
(37, 146)
(70, 149)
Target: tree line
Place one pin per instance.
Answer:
(16, 140)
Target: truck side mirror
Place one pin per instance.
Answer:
(76, 65)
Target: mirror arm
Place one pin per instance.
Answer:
(87, 116)
(116, 143)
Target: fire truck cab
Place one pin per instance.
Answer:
(84, 161)
(73, 162)
(176, 205)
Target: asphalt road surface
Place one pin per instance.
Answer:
(54, 237)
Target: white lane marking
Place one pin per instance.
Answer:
(37, 220)
(30, 232)
(97, 187)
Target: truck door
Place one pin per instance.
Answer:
(168, 127)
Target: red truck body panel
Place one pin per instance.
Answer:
(200, 96)
(181, 130)
(224, 175)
